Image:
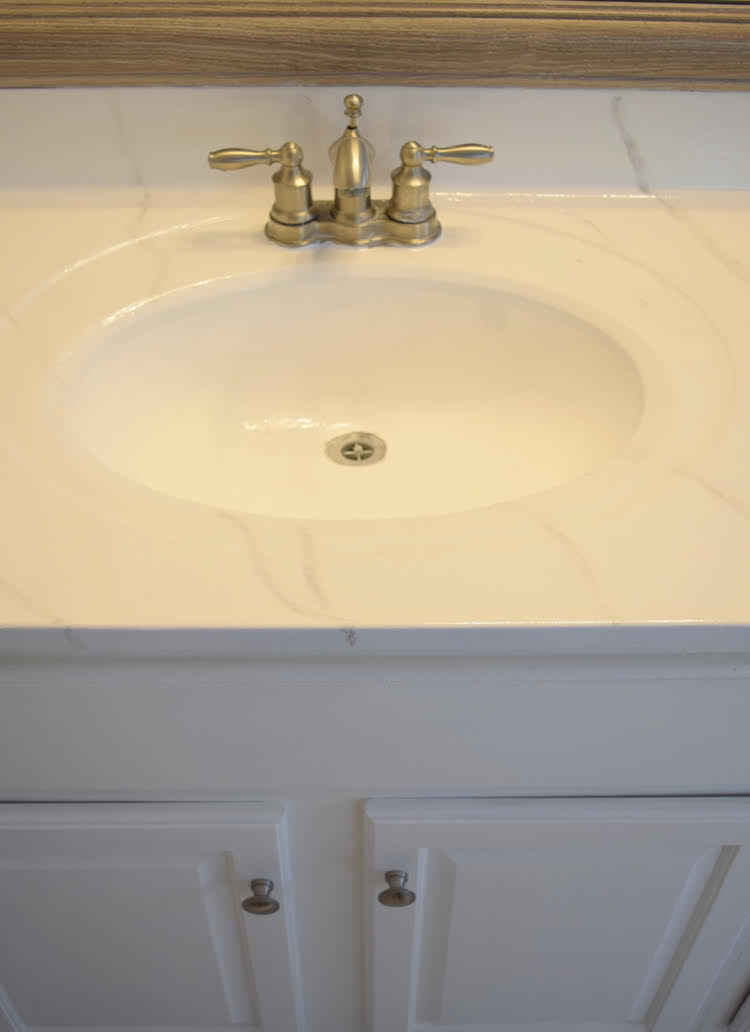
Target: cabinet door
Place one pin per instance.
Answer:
(580, 915)
(128, 917)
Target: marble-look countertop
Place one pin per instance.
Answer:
(656, 539)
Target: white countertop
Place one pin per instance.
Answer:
(660, 534)
(656, 537)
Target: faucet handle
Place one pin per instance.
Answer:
(410, 200)
(413, 154)
(460, 153)
(293, 205)
(231, 158)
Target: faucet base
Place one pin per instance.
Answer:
(380, 229)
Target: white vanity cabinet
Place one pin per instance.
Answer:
(575, 828)
(531, 915)
(129, 917)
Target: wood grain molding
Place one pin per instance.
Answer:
(358, 42)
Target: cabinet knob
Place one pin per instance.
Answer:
(396, 895)
(261, 901)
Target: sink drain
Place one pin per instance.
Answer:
(356, 449)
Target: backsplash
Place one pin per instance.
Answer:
(546, 140)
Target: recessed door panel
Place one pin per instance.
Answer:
(554, 915)
(129, 917)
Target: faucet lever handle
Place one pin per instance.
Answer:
(231, 158)
(293, 204)
(410, 200)
(460, 154)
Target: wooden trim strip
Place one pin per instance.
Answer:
(620, 10)
(379, 42)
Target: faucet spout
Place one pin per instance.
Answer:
(351, 156)
(351, 167)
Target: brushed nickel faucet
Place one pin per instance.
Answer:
(352, 217)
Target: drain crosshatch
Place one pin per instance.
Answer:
(356, 449)
(357, 452)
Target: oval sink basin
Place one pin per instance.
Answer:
(232, 395)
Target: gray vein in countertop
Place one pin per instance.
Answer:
(636, 159)
(162, 265)
(657, 274)
(259, 565)
(582, 564)
(37, 291)
(26, 602)
(128, 153)
(640, 172)
(740, 507)
(704, 238)
(643, 182)
(134, 226)
(309, 566)
(34, 347)
(600, 234)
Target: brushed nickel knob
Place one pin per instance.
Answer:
(396, 895)
(261, 901)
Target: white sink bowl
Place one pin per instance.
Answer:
(166, 400)
(227, 394)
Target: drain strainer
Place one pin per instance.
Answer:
(356, 449)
